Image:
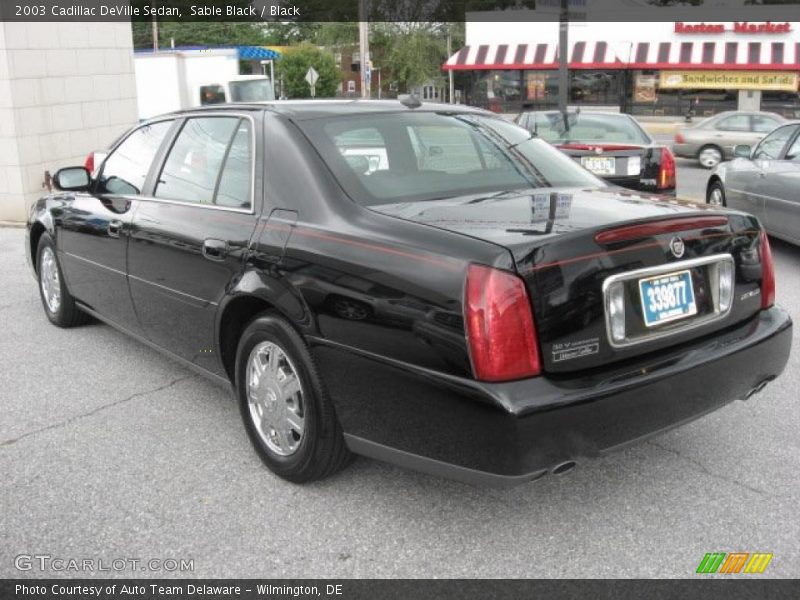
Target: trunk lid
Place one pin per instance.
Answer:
(568, 243)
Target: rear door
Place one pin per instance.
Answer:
(733, 130)
(95, 226)
(189, 241)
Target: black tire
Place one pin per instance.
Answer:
(66, 314)
(321, 451)
(716, 186)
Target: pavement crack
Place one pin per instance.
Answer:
(96, 410)
(701, 468)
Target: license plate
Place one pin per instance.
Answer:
(600, 165)
(667, 298)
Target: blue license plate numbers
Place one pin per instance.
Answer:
(667, 298)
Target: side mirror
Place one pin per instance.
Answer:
(72, 179)
(742, 151)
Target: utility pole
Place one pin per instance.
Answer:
(363, 47)
(155, 28)
(563, 61)
(450, 90)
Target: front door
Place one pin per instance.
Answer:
(95, 226)
(772, 174)
(781, 200)
(189, 241)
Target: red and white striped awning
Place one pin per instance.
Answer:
(780, 56)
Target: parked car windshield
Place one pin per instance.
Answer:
(613, 129)
(387, 158)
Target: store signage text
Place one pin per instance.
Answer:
(767, 27)
(729, 80)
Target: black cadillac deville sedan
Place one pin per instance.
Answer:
(422, 284)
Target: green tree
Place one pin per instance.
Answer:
(294, 64)
(414, 52)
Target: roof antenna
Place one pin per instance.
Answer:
(411, 101)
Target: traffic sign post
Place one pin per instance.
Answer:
(311, 79)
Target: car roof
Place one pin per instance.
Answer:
(302, 110)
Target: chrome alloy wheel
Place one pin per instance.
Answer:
(49, 280)
(275, 398)
(710, 157)
(715, 197)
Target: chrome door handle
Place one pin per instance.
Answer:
(215, 249)
(114, 228)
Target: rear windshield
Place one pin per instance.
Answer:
(586, 128)
(389, 158)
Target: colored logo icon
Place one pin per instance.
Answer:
(734, 562)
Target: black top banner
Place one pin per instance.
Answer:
(396, 589)
(398, 10)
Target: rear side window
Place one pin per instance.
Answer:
(209, 163)
(735, 123)
(234, 182)
(125, 170)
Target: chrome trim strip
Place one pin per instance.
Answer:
(661, 270)
(93, 263)
(163, 287)
(174, 291)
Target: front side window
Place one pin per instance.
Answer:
(771, 146)
(763, 124)
(793, 153)
(125, 170)
(427, 156)
(208, 163)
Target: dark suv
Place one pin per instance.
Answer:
(424, 284)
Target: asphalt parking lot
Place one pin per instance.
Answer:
(109, 450)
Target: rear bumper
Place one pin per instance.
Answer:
(636, 183)
(502, 434)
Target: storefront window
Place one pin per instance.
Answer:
(647, 97)
(595, 87)
(496, 90)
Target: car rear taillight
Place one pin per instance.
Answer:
(666, 171)
(679, 139)
(767, 273)
(499, 325)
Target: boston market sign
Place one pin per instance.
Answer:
(766, 27)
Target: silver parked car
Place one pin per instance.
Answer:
(764, 181)
(712, 140)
